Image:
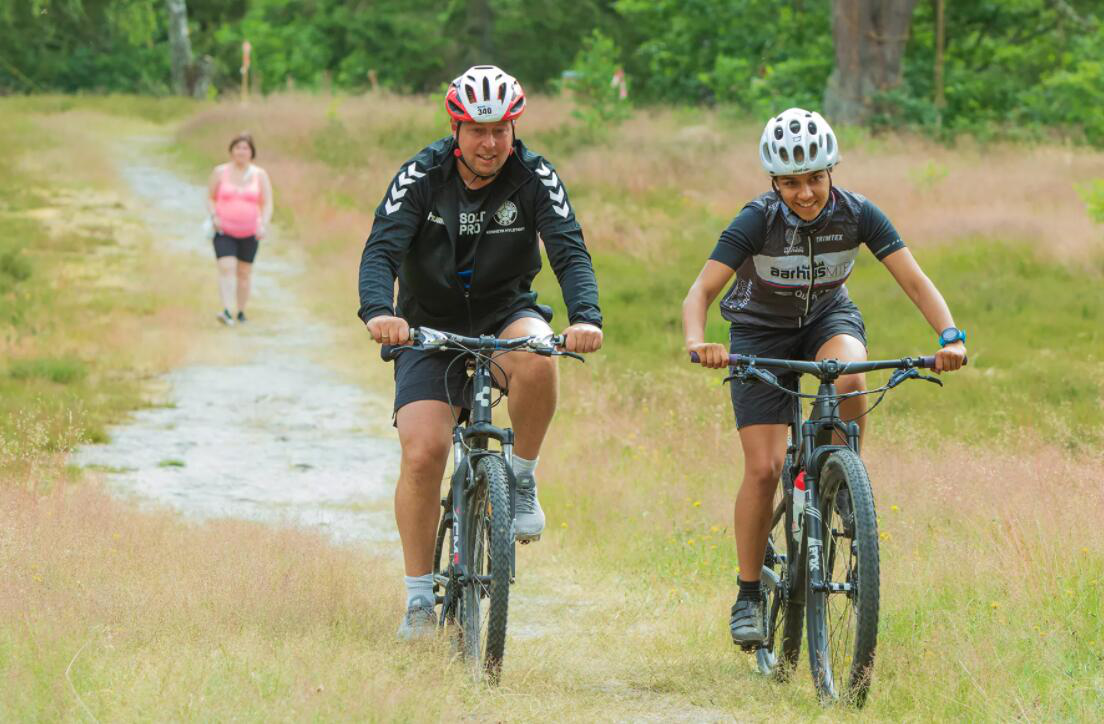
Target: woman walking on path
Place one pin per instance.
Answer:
(240, 203)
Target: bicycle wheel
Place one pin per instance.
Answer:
(783, 585)
(485, 598)
(843, 620)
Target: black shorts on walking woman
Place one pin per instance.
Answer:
(244, 249)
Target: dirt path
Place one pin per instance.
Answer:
(272, 434)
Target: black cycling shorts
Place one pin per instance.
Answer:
(442, 375)
(755, 403)
(245, 249)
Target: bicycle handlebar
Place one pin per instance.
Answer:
(426, 339)
(829, 367)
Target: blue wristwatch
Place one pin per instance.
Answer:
(950, 335)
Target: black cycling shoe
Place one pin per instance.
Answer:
(241, 317)
(748, 623)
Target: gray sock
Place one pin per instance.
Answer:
(523, 466)
(418, 587)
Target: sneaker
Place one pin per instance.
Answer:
(528, 517)
(225, 318)
(419, 621)
(748, 622)
(241, 317)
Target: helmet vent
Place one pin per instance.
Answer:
(813, 151)
(784, 155)
(486, 89)
(795, 126)
(812, 128)
(766, 152)
(501, 92)
(470, 92)
(799, 155)
(829, 143)
(778, 132)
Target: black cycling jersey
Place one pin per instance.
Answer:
(472, 218)
(788, 270)
(417, 237)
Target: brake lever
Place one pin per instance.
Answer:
(763, 375)
(743, 373)
(929, 378)
(900, 376)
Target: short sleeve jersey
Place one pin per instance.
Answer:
(786, 270)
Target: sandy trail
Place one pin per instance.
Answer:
(275, 435)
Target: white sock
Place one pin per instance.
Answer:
(418, 587)
(523, 466)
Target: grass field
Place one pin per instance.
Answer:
(993, 571)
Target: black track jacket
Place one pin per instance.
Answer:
(414, 238)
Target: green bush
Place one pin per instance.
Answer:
(597, 98)
(1093, 195)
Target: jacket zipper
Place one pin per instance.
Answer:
(812, 274)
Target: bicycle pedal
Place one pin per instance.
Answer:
(750, 648)
(528, 539)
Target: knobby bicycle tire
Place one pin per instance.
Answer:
(785, 598)
(489, 534)
(843, 627)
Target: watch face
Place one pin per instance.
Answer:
(950, 335)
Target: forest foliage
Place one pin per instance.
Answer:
(1011, 66)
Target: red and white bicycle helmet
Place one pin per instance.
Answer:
(798, 141)
(484, 94)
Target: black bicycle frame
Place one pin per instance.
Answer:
(811, 444)
(469, 443)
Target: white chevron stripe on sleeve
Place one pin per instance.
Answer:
(392, 207)
(413, 171)
(557, 195)
(562, 210)
(543, 170)
(397, 193)
(552, 182)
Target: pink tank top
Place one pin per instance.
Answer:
(239, 208)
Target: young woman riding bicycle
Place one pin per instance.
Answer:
(791, 250)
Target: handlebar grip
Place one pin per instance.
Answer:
(695, 358)
(929, 362)
(390, 352)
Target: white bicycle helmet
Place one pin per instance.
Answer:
(798, 141)
(484, 94)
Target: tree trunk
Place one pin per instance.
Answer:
(940, 99)
(180, 46)
(870, 37)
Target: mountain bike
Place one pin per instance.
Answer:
(474, 555)
(821, 562)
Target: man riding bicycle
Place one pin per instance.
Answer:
(458, 227)
(791, 250)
